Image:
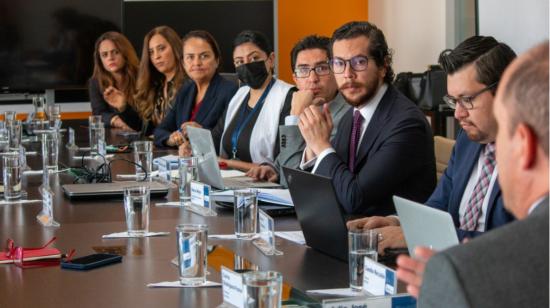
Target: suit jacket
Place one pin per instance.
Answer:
(292, 144)
(395, 157)
(449, 191)
(217, 97)
(507, 267)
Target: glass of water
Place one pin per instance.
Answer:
(136, 206)
(192, 250)
(12, 175)
(262, 289)
(246, 213)
(143, 157)
(54, 116)
(50, 150)
(361, 243)
(9, 116)
(188, 171)
(14, 134)
(96, 131)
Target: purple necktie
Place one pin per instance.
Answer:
(473, 208)
(354, 138)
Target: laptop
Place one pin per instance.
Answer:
(425, 226)
(320, 215)
(111, 190)
(209, 170)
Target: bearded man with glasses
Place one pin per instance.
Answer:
(468, 189)
(384, 144)
(317, 86)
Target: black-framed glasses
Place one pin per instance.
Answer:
(357, 63)
(467, 102)
(322, 69)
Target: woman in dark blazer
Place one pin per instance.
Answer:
(202, 100)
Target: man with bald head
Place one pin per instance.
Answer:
(507, 267)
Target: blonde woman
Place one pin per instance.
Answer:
(161, 74)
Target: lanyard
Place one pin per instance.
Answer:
(241, 124)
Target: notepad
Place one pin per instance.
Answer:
(33, 254)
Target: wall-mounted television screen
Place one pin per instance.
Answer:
(223, 19)
(49, 44)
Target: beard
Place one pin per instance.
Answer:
(370, 88)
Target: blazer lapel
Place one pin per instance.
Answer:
(375, 126)
(209, 99)
(341, 141)
(469, 157)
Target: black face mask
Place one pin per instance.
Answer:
(253, 74)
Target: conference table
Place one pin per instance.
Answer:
(145, 260)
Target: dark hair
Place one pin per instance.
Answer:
(208, 38)
(255, 37)
(527, 93)
(378, 48)
(309, 42)
(489, 56)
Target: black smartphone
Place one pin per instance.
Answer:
(91, 261)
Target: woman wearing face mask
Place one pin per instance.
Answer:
(248, 133)
(160, 76)
(202, 99)
(113, 82)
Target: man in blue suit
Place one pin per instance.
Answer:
(468, 189)
(383, 145)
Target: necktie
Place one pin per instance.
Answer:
(473, 209)
(354, 138)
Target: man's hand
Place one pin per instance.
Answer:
(300, 101)
(187, 124)
(263, 173)
(115, 98)
(390, 237)
(175, 139)
(411, 271)
(316, 126)
(372, 222)
(184, 149)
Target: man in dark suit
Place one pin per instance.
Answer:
(507, 267)
(468, 189)
(383, 145)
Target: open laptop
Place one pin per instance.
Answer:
(209, 170)
(320, 215)
(425, 226)
(111, 190)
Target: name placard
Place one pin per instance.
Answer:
(378, 279)
(232, 288)
(200, 194)
(266, 240)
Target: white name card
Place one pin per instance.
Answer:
(379, 279)
(232, 288)
(200, 194)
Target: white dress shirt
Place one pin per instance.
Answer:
(367, 111)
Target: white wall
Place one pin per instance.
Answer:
(520, 24)
(415, 30)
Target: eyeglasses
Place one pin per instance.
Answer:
(357, 63)
(304, 71)
(467, 102)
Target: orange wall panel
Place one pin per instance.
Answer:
(299, 18)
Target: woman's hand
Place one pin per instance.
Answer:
(115, 98)
(187, 124)
(117, 122)
(175, 139)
